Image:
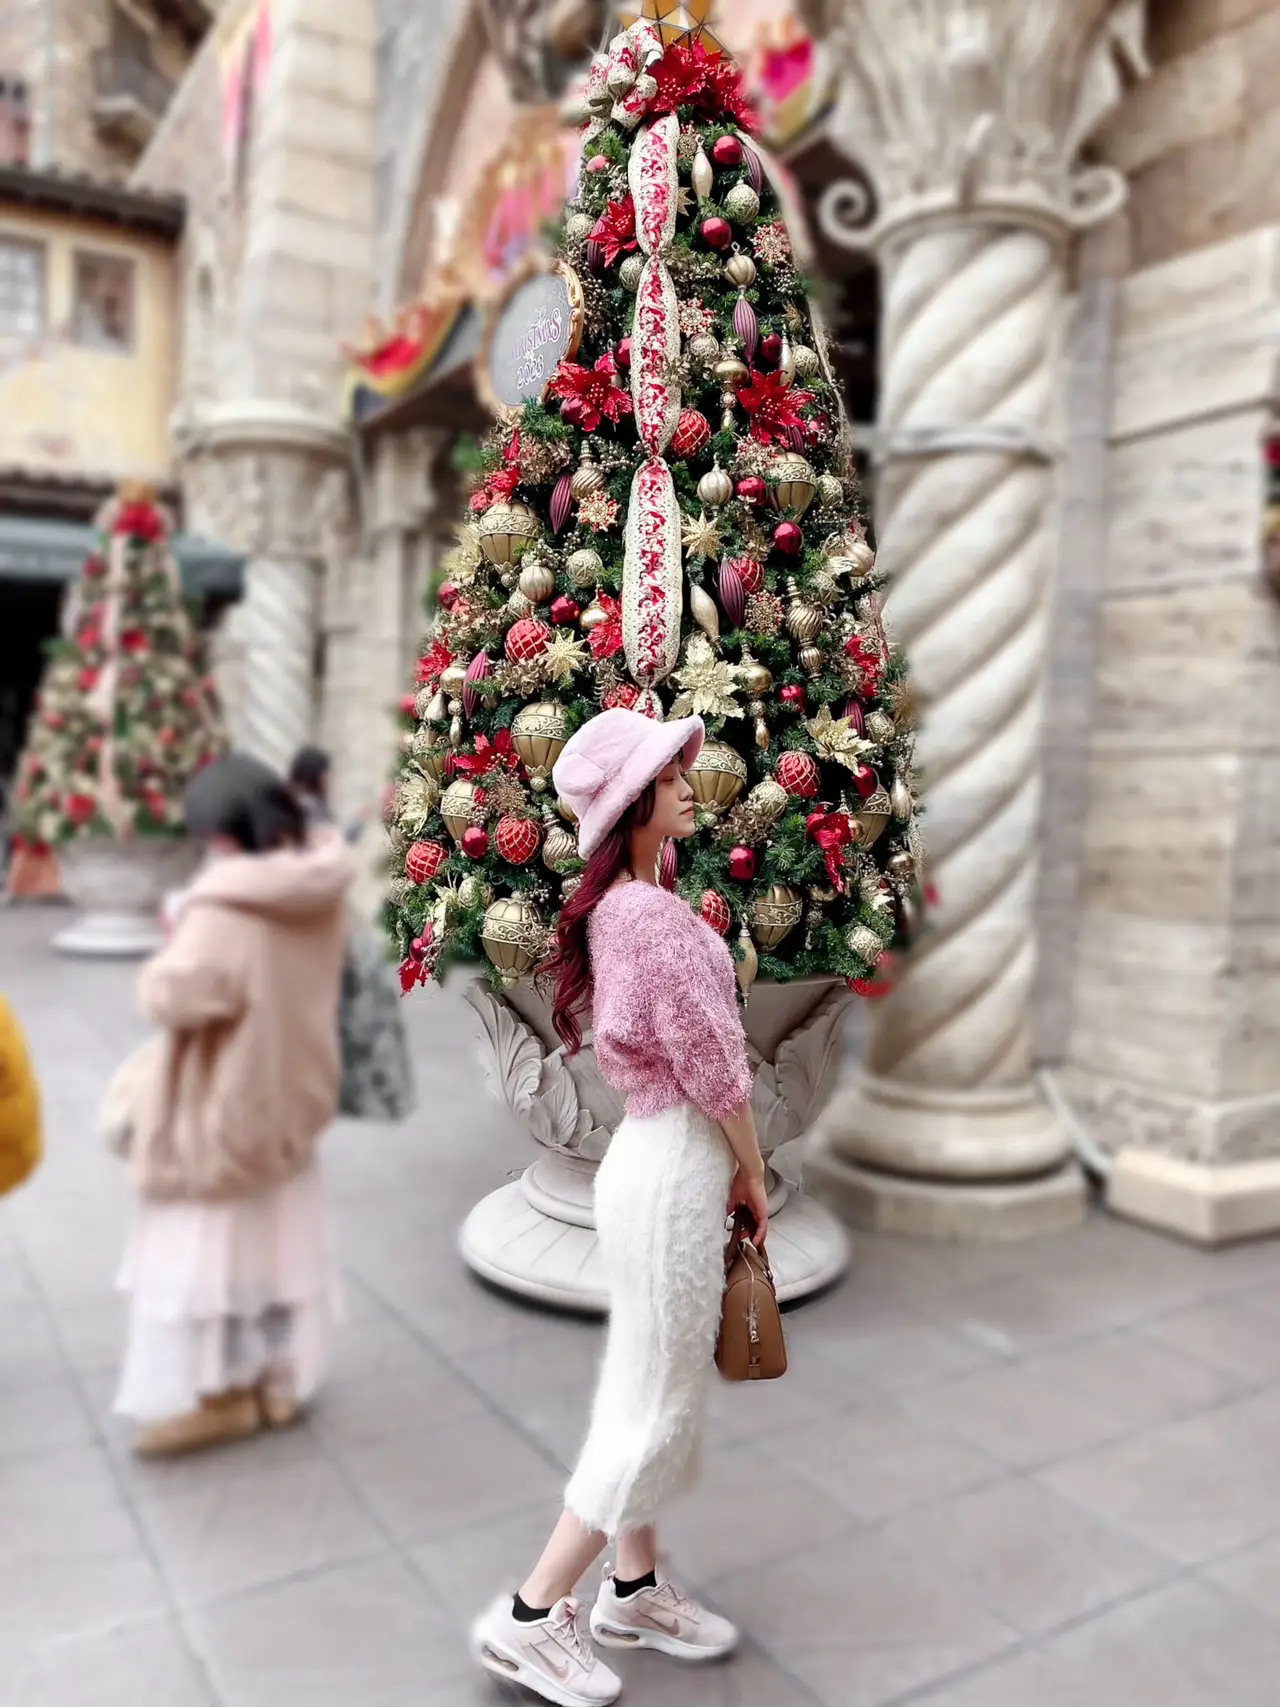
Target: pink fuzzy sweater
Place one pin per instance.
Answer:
(666, 1025)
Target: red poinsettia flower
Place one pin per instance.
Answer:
(590, 394)
(135, 640)
(615, 229)
(433, 664)
(681, 76)
(606, 638)
(502, 484)
(82, 809)
(774, 407)
(488, 754)
(140, 521)
(727, 94)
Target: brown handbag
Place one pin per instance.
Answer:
(751, 1345)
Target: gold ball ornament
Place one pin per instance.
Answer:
(740, 270)
(593, 616)
(537, 583)
(505, 528)
(474, 892)
(757, 678)
(459, 809)
(900, 800)
(807, 364)
(510, 934)
(776, 915)
(704, 349)
(804, 620)
(587, 477)
(792, 483)
(730, 371)
(538, 733)
(881, 727)
(830, 486)
(630, 272)
(715, 488)
(865, 943)
(717, 776)
(578, 227)
(811, 658)
(585, 567)
(431, 757)
(453, 680)
(862, 557)
(769, 799)
(566, 811)
(741, 204)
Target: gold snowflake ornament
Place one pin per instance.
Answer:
(709, 684)
(564, 657)
(837, 741)
(700, 537)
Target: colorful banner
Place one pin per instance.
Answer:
(246, 59)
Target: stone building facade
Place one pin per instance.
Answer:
(1053, 230)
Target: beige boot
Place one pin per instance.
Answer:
(221, 1417)
(279, 1407)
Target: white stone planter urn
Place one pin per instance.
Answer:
(536, 1236)
(117, 887)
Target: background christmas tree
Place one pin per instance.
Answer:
(124, 716)
(672, 527)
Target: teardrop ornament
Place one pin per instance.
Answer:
(747, 326)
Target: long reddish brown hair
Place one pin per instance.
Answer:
(569, 968)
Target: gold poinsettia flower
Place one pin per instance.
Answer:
(709, 684)
(837, 741)
(416, 800)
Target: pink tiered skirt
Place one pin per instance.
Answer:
(227, 1295)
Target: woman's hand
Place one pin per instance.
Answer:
(749, 1191)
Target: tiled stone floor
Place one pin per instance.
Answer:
(1038, 1476)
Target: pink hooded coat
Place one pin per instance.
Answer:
(244, 1077)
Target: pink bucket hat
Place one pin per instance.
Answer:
(610, 762)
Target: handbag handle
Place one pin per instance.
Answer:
(741, 1237)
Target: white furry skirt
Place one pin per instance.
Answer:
(660, 1211)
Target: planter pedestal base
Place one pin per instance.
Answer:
(117, 888)
(536, 1237)
(111, 936)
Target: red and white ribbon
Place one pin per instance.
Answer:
(635, 50)
(653, 172)
(652, 575)
(655, 355)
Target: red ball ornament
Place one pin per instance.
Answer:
(598, 163)
(792, 694)
(726, 151)
(692, 432)
(752, 489)
(742, 864)
(815, 820)
(527, 640)
(789, 537)
(625, 695)
(448, 595)
(565, 610)
(87, 680)
(408, 704)
(798, 774)
(715, 910)
(771, 349)
(623, 353)
(475, 842)
(423, 860)
(517, 839)
(717, 233)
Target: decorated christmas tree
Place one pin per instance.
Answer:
(124, 717)
(667, 519)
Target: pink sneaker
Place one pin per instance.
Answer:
(554, 1658)
(660, 1618)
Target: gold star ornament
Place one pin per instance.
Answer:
(677, 20)
(700, 537)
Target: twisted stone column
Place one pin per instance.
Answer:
(280, 645)
(970, 210)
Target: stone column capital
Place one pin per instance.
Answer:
(268, 477)
(973, 110)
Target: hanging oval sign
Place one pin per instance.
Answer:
(531, 329)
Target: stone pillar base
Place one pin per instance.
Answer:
(945, 1209)
(1206, 1202)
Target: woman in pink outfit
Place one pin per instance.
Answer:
(659, 984)
(232, 1285)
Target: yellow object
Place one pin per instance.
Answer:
(20, 1147)
(677, 20)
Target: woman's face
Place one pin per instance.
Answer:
(673, 805)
